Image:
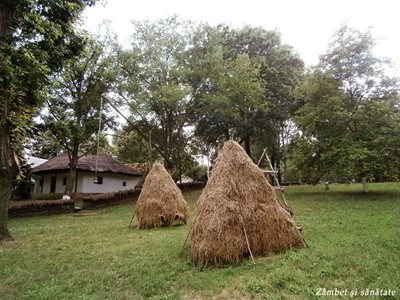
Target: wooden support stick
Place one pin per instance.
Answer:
(247, 241)
(184, 244)
(130, 223)
(187, 237)
(304, 240)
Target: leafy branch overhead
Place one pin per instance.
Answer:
(36, 37)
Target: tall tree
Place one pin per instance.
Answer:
(233, 104)
(73, 106)
(153, 84)
(281, 71)
(36, 36)
(351, 109)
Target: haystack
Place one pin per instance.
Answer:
(160, 202)
(238, 213)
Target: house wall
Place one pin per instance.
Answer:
(60, 188)
(111, 182)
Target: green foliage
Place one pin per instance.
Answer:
(219, 80)
(198, 173)
(40, 38)
(43, 144)
(257, 287)
(350, 117)
(153, 83)
(143, 264)
(248, 80)
(73, 105)
(22, 184)
(74, 102)
(36, 37)
(129, 147)
(234, 102)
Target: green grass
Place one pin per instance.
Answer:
(354, 243)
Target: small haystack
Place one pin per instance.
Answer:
(238, 213)
(160, 202)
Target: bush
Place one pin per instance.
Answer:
(197, 173)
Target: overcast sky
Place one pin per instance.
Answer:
(307, 25)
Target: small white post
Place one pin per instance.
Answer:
(364, 184)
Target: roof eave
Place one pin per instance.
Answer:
(43, 172)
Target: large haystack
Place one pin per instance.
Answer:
(160, 202)
(238, 201)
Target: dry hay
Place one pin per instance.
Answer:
(160, 202)
(238, 201)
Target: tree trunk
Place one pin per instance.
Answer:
(5, 194)
(71, 180)
(277, 165)
(8, 165)
(179, 167)
(6, 18)
(283, 153)
(247, 146)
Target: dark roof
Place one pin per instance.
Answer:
(105, 164)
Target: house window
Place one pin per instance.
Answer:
(65, 181)
(98, 180)
(123, 183)
(41, 182)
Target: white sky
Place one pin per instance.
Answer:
(307, 25)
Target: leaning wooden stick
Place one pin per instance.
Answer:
(130, 223)
(184, 244)
(247, 241)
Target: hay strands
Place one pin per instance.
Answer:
(238, 215)
(160, 203)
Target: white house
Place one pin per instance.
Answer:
(95, 174)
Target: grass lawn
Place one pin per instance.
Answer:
(354, 243)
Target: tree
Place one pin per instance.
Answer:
(153, 84)
(278, 73)
(349, 118)
(74, 103)
(43, 144)
(35, 38)
(130, 147)
(281, 72)
(233, 104)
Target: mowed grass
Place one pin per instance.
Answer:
(354, 243)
